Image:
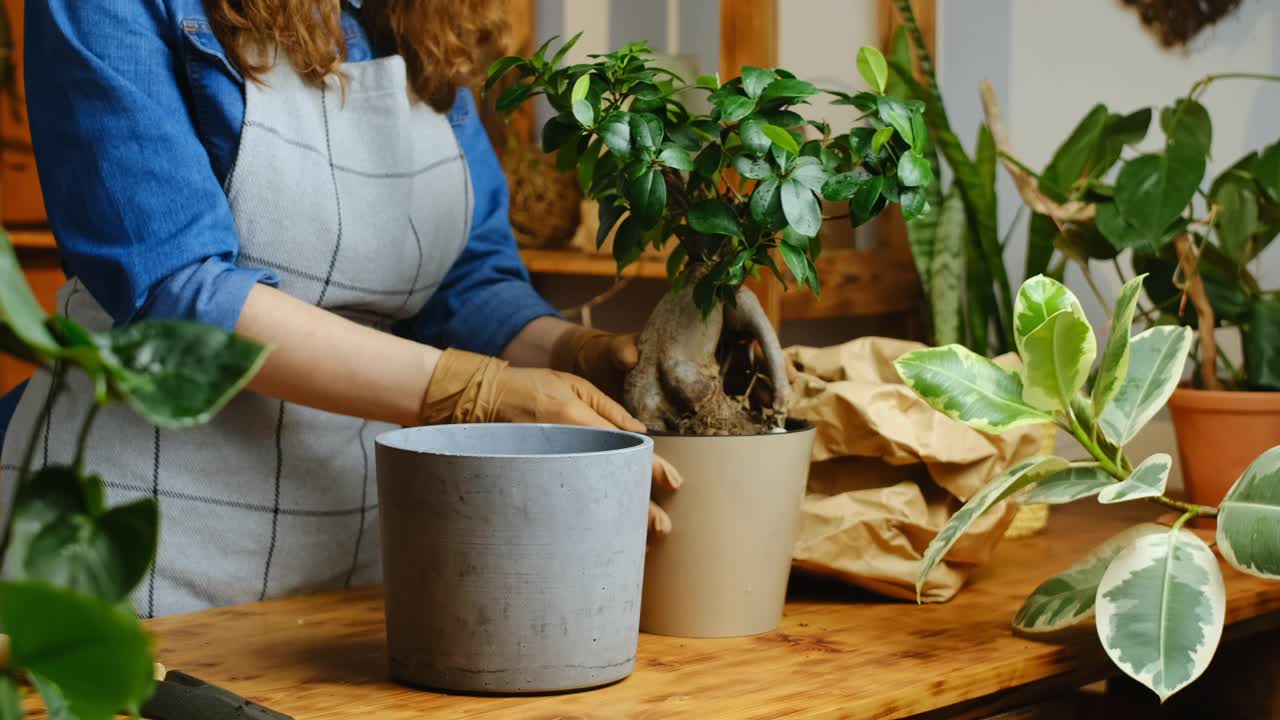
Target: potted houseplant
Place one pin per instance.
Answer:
(731, 188)
(1195, 237)
(1157, 592)
(69, 562)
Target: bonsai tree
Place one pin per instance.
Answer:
(731, 187)
(1157, 592)
(69, 561)
(1194, 236)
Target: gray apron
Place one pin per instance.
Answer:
(360, 204)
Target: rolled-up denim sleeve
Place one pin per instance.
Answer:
(485, 298)
(138, 213)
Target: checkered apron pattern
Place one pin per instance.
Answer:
(360, 201)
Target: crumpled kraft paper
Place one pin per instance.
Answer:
(889, 470)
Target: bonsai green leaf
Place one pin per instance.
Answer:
(843, 185)
(781, 138)
(873, 68)
(103, 557)
(801, 207)
(795, 260)
(1115, 359)
(755, 80)
(187, 371)
(558, 131)
(789, 89)
(580, 88)
(1039, 299)
(1262, 344)
(1068, 598)
(1018, 476)
(914, 203)
(714, 217)
(564, 49)
(1160, 610)
(500, 67)
(865, 201)
(18, 307)
(896, 113)
(1267, 171)
(946, 269)
(752, 168)
(1153, 190)
(10, 699)
(707, 163)
(710, 82)
(676, 157)
(587, 166)
(628, 242)
(968, 387)
(1056, 360)
(914, 170)
(733, 107)
(808, 172)
(615, 130)
(583, 112)
(1187, 122)
(1072, 157)
(609, 213)
(1146, 481)
(1249, 519)
(648, 195)
(1237, 215)
(766, 204)
(1067, 486)
(751, 130)
(1156, 359)
(646, 130)
(880, 139)
(513, 97)
(95, 652)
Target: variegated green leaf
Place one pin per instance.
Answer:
(1156, 358)
(1147, 480)
(965, 386)
(1160, 609)
(1068, 486)
(1249, 519)
(1039, 299)
(1115, 359)
(1056, 358)
(1068, 597)
(1018, 476)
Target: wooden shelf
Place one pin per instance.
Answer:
(855, 283)
(36, 239)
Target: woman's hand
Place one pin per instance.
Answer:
(601, 357)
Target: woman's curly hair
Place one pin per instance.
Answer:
(445, 43)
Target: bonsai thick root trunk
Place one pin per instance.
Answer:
(701, 376)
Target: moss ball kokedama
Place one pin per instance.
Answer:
(730, 187)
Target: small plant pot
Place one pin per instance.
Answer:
(512, 555)
(723, 570)
(1219, 434)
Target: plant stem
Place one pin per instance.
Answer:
(1190, 513)
(55, 389)
(83, 442)
(1085, 441)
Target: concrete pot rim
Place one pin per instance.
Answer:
(400, 440)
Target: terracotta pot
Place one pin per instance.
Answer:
(1219, 435)
(723, 570)
(512, 555)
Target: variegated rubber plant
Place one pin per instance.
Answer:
(1156, 591)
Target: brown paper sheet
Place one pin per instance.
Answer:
(889, 470)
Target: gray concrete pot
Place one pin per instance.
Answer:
(723, 570)
(512, 555)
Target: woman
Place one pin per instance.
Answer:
(310, 174)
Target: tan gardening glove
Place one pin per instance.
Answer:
(600, 357)
(471, 388)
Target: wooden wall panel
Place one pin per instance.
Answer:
(20, 201)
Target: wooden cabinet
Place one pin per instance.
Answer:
(20, 202)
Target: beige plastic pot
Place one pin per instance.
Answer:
(1219, 434)
(723, 570)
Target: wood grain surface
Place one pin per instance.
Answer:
(840, 653)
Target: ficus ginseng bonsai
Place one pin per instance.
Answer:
(1098, 197)
(730, 187)
(69, 561)
(1157, 592)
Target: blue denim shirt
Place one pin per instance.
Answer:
(135, 117)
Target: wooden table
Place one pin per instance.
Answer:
(840, 653)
